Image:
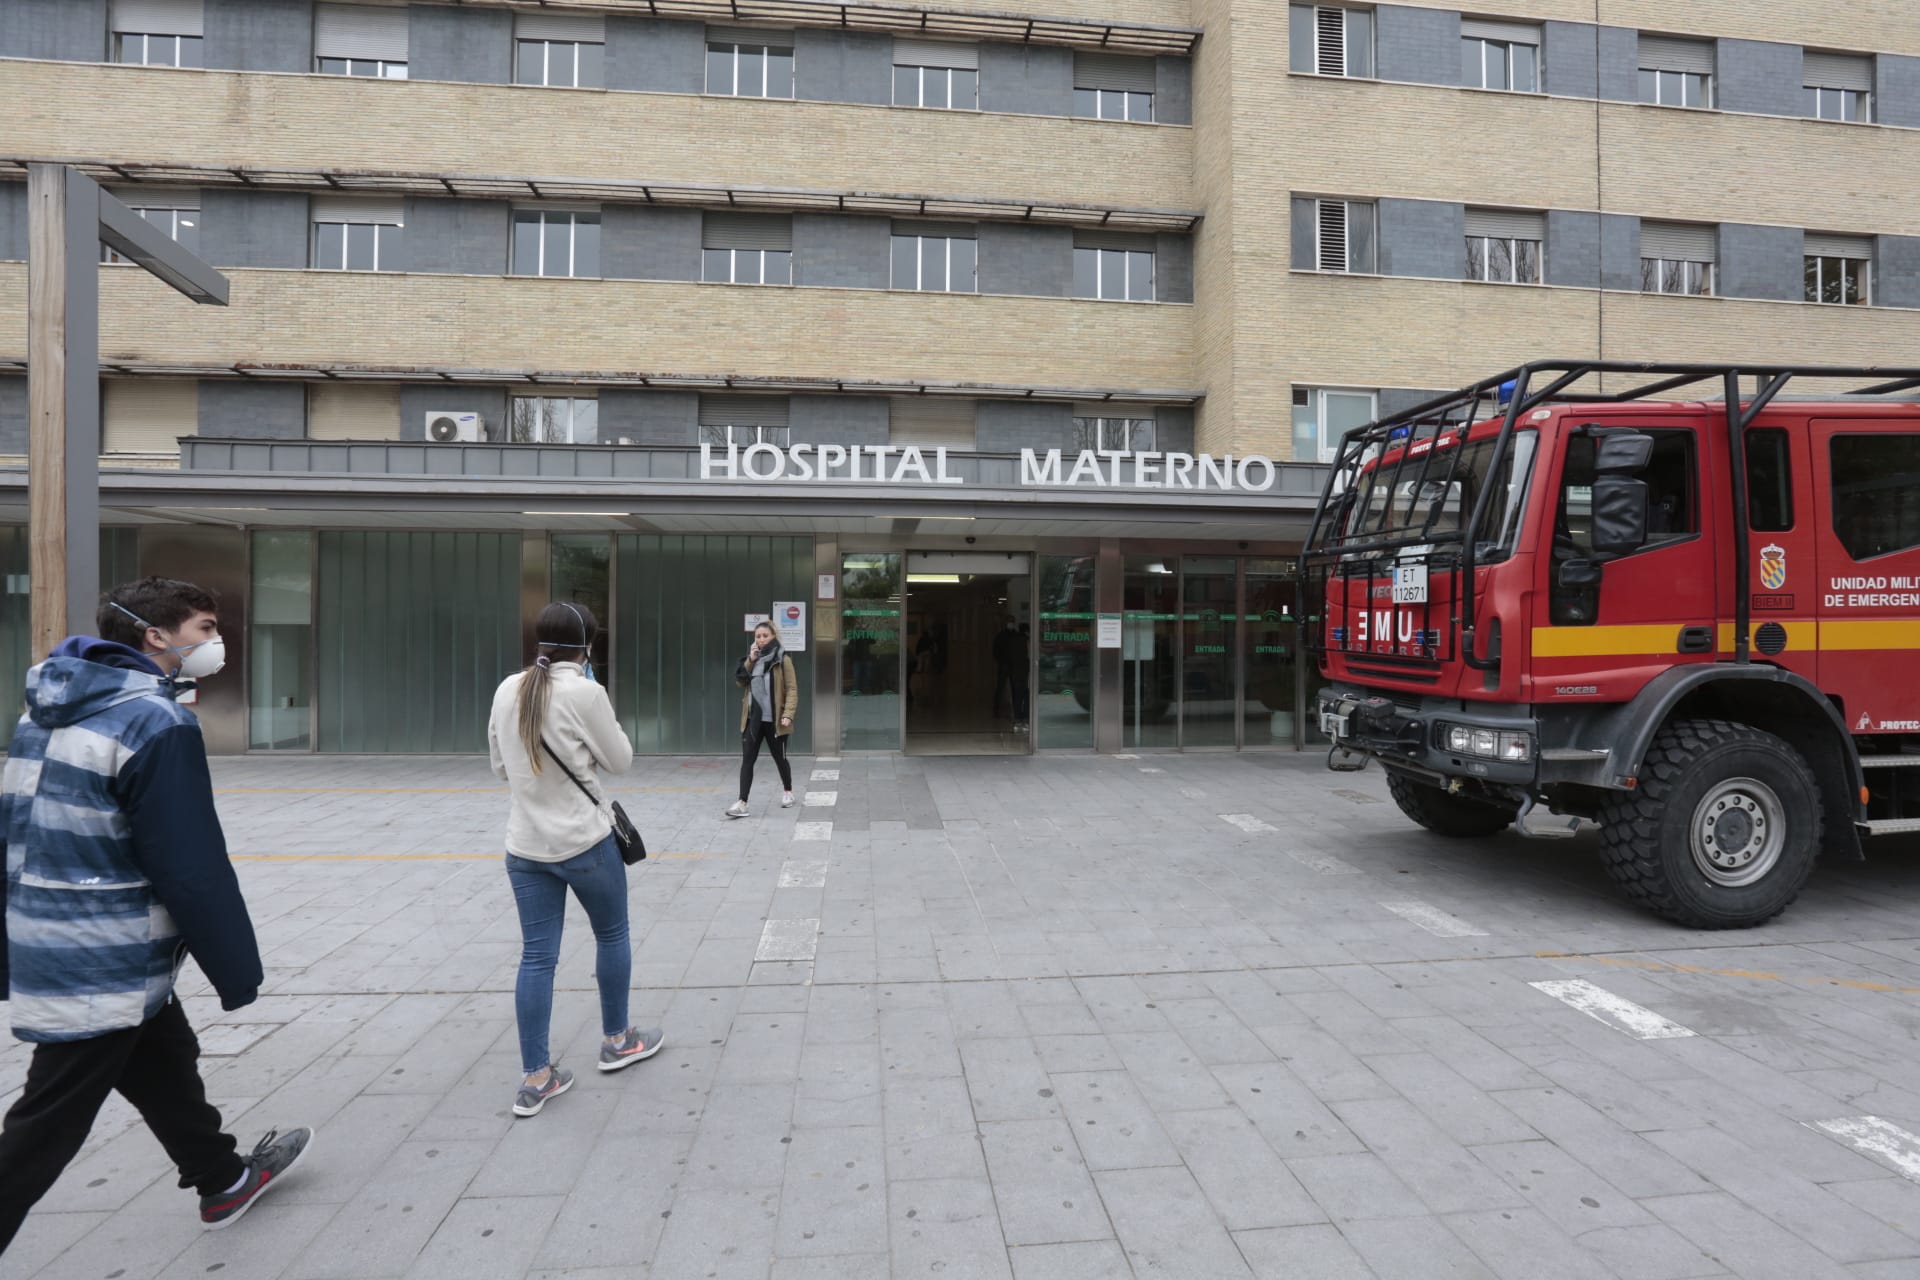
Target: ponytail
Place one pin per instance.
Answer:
(536, 689)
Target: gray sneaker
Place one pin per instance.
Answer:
(529, 1100)
(738, 809)
(635, 1045)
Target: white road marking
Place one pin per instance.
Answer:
(1882, 1139)
(1325, 863)
(788, 940)
(813, 831)
(825, 775)
(1124, 756)
(820, 799)
(795, 874)
(1604, 1006)
(826, 759)
(1441, 924)
(1193, 793)
(1247, 823)
(1150, 769)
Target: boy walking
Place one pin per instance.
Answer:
(117, 871)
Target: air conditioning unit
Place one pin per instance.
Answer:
(453, 428)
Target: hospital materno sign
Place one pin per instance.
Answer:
(909, 464)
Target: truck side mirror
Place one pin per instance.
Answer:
(1621, 453)
(1619, 515)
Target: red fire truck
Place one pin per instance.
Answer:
(1563, 591)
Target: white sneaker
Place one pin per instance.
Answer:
(738, 809)
(786, 799)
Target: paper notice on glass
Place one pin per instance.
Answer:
(790, 624)
(1109, 630)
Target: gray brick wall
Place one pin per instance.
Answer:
(1008, 426)
(13, 221)
(1593, 250)
(1619, 251)
(838, 419)
(655, 55)
(253, 410)
(642, 242)
(649, 417)
(1026, 260)
(1173, 428)
(13, 415)
(1029, 79)
(842, 66)
(833, 250)
(259, 35)
(1418, 46)
(1399, 399)
(1761, 262)
(1760, 76)
(418, 400)
(1570, 59)
(254, 228)
(1422, 238)
(1896, 271)
(1173, 90)
(1173, 267)
(1619, 55)
(62, 30)
(457, 237)
(470, 45)
(1896, 83)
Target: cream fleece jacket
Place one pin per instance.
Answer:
(550, 820)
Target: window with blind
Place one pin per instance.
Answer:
(353, 411)
(1500, 55)
(357, 233)
(932, 422)
(1111, 433)
(175, 212)
(1676, 72)
(1839, 86)
(1838, 269)
(935, 257)
(744, 420)
(1113, 265)
(360, 40)
(1676, 258)
(1504, 245)
(148, 415)
(746, 248)
(1108, 86)
(744, 62)
(553, 420)
(1344, 237)
(937, 74)
(557, 242)
(158, 33)
(1329, 40)
(560, 51)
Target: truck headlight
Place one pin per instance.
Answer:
(1489, 744)
(1460, 738)
(1516, 746)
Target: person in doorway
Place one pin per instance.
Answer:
(117, 871)
(552, 727)
(769, 700)
(1010, 667)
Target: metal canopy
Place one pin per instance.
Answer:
(622, 191)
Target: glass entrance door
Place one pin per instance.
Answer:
(870, 666)
(969, 642)
(1208, 617)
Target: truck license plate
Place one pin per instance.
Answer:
(1409, 584)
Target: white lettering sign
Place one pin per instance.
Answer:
(1047, 469)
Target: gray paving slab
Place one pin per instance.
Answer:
(1041, 1184)
(1286, 1253)
(1166, 1225)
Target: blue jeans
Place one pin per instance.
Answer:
(599, 879)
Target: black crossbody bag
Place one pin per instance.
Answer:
(632, 848)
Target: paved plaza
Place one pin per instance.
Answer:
(1203, 1015)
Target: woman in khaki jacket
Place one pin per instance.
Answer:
(769, 700)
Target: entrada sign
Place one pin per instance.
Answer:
(909, 464)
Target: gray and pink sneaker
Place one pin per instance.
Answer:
(630, 1048)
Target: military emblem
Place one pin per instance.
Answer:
(1773, 566)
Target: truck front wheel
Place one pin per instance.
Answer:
(1722, 831)
(1447, 814)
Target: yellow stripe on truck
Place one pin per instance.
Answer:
(1664, 638)
(1605, 642)
(1888, 633)
(1801, 636)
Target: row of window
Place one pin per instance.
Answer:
(564, 51)
(1674, 257)
(1332, 40)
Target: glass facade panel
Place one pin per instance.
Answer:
(1272, 640)
(1207, 651)
(1063, 698)
(280, 652)
(415, 631)
(1149, 654)
(583, 574)
(679, 635)
(870, 651)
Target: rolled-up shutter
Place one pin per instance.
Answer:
(148, 415)
(353, 411)
(1511, 32)
(1113, 71)
(585, 28)
(1507, 224)
(1837, 71)
(1825, 244)
(950, 230)
(936, 53)
(144, 197)
(1669, 53)
(727, 410)
(1131, 240)
(360, 31)
(747, 231)
(158, 17)
(385, 210)
(750, 36)
(1677, 241)
(932, 422)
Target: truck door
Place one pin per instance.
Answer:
(1650, 609)
(1867, 481)
(1781, 556)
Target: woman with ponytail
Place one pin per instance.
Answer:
(551, 730)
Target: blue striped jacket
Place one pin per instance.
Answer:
(116, 865)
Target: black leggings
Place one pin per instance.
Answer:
(759, 731)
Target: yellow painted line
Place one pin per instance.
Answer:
(1890, 633)
(1755, 975)
(1599, 642)
(1663, 639)
(411, 857)
(1802, 635)
(408, 791)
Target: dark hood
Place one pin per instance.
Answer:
(85, 676)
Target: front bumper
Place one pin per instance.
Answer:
(1410, 733)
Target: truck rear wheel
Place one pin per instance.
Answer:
(1721, 832)
(1446, 814)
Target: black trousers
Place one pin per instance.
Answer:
(155, 1066)
(1014, 681)
(759, 731)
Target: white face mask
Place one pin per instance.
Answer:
(199, 661)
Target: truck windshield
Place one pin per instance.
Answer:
(1390, 507)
